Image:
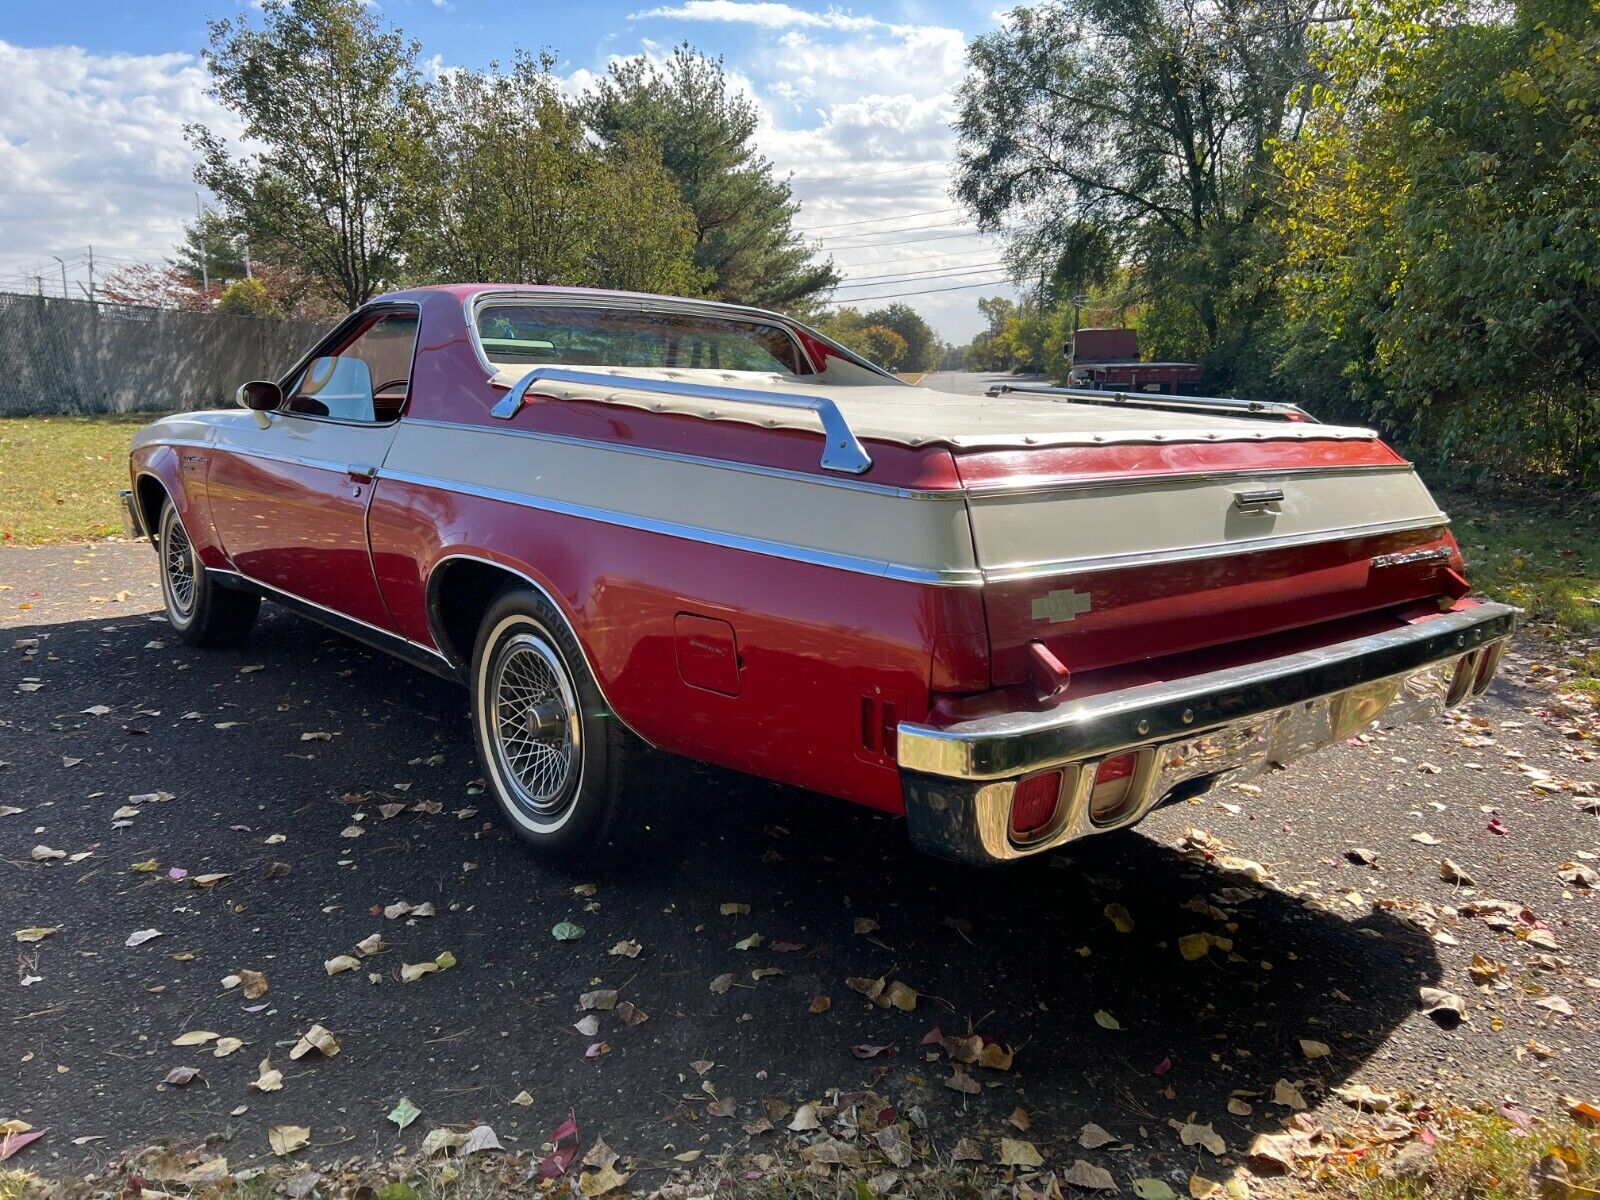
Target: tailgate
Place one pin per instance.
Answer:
(1114, 557)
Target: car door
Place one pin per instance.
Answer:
(289, 500)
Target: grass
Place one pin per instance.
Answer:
(59, 478)
(1543, 555)
(1476, 1156)
(1485, 1157)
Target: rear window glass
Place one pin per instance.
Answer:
(519, 334)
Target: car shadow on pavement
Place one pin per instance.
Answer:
(325, 782)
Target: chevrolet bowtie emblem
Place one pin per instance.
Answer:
(1060, 606)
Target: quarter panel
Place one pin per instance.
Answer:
(813, 641)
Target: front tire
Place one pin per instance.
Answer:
(556, 761)
(200, 611)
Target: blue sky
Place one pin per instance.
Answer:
(856, 105)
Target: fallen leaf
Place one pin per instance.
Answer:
(1287, 1095)
(1452, 872)
(46, 854)
(1092, 1137)
(735, 909)
(1106, 1021)
(1017, 1153)
(1314, 1049)
(1153, 1189)
(567, 931)
(341, 962)
(404, 1112)
(604, 999)
(1556, 1004)
(181, 1076)
(1445, 1007)
(1202, 1135)
(286, 1139)
(627, 949)
(1427, 839)
(316, 1038)
(253, 983)
(268, 1078)
(140, 936)
(1119, 916)
(226, 1046)
(35, 933)
(1086, 1175)
(522, 1100)
(820, 1004)
(195, 1037)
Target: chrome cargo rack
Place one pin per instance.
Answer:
(1227, 404)
(841, 451)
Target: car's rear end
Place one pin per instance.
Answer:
(1176, 597)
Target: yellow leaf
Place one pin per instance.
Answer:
(286, 1139)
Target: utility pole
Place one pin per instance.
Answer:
(205, 275)
(91, 274)
(64, 293)
(248, 274)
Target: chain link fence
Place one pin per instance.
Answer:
(74, 356)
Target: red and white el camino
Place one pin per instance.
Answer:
(628, 521)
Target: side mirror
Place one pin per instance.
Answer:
(260, 396)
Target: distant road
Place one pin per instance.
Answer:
(971, 383)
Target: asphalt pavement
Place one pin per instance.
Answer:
(260, 809)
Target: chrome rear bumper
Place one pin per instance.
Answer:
(958, 780)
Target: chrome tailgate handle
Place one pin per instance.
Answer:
(1258, 502)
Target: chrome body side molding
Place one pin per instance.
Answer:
(403, 648)
(841, 451)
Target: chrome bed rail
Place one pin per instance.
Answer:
(1220, 404)
(841, 450)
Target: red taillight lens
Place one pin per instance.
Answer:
(1113, 787)
(1034, 804)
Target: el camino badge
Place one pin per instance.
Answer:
(1060, 606)
(1412, 557)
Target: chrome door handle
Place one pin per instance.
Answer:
(362, 474)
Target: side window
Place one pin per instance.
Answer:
(365, 379)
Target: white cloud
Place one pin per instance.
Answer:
(92, 151)
(768, 14)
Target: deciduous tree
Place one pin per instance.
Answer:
(328, 103)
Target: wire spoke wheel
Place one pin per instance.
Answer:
(534, 725)
(178, 567)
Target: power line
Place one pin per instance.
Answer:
(872, 233)
(932, 212)
(922, 258)
(935, 237)
(923, 276)
(960, 287)
(855, 175)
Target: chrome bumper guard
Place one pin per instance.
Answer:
(132, 526)
(958, 780)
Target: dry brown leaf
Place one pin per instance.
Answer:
(1087, 1175)
(316, 1038)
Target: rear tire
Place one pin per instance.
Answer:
(558, 763)
(200, 611)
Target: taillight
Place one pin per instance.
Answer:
(1034, 804)
(1113, 793)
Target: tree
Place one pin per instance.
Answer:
(882, 345)
(328, 103)
(921, 343)
(212, 249)
(1134, 129)
(1441, 241)
(743, 216)
(163, 286)
(511, 189)
(248, 298)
